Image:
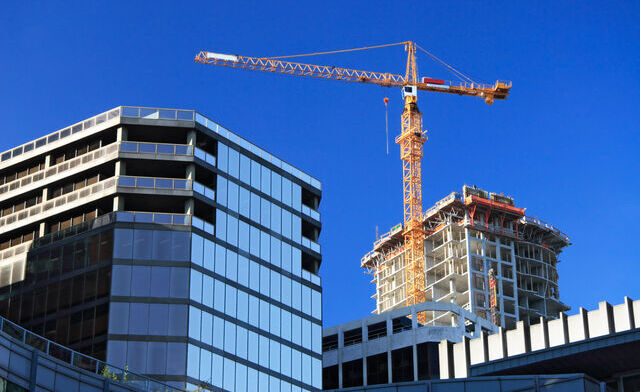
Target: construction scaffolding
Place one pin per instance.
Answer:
(465, 237)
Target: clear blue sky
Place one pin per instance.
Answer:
(565, 145)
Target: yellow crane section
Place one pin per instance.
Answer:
(411, 139)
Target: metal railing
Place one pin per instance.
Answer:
(157, 113)
(314, 246)
(202, 225)
(59, 168)
(61, 134)
(311, 212)
(205, 156)
(82, 361)
(154, 183)
(204, 190)
(153, 217)
(59, 201)
(156, 148)
(528, 219)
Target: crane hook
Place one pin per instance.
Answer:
(386, 120)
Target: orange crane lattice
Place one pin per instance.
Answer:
(411, 139)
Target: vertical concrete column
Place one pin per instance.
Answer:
(584, 317)
(545, 331)
(414, 347)
(628, 303)
(189, 204)
(120, 170)
(42, 230)
(340, 349)
(364, 330)
(484, 339)
(389, 334)
(121, 134)
(606, 310)
(191, 137)
(445, 358)
(461, 358)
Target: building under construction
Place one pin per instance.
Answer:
(482, 253)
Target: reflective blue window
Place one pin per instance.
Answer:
(255, 207)
(207, 328)
(274, 360)
(306, 334)
(232, 230)
(265, 213)
(316, 338)
(306, 299)
(158, 316)
(229, 337)
(197, 246)
(275, 285)
(123, 244)
(221, 260)
(194, 323)
(264, 280)
(138, 319)
(285, 365)
(221, 225)
(296, 362)
(229, 372)
(159, 278)
(265, 185)
(286, 223)
(254, 241)
(230, 303)
(265, 315)
(177, 320)
(121, 280)
(243, 236)
(243, 270)
(296, 326)
(286, 257)
(209, 255)
(285, 328)
(233, 200)
(243, 306)
(254, 274)
(218, 332)
(276, 218)
(265, 242)
(195, 292)
(218, 297)
(316, 370)
(286, 191)
(180, 245)
(306, 369)
(276, 247)
(245, 169)
(255, 174)
(276, 186)
(176, 355)
(193, 361)
(274, 324)
(221, 191)
(264, 351)
(253, 346)
(205, 364)
(142, 244)
(140, 281)
(179, 284)
(119, 318)
(245, 202)
(286, 290)
(223, 157)
(207, 291)
(241, 378)
(297, 197)
(161, 245)
(217, 370)
(254, 311)
(296, 261)
(296, 229)
(316, 304)
(234, 163)
(296, 295)
(241, 342)
(232, 266)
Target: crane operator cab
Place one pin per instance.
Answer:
(409, 91)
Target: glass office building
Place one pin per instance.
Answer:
(158, 240)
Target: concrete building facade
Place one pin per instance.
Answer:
(469, 235)
(159, 240)
(392, 347)
(602, 343)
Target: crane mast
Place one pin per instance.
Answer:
(411, 138)
(411, 141)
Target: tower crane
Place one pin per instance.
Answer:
(411, 138)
